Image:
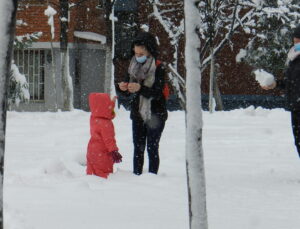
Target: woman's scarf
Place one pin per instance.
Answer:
(292, 55)
(144, 74)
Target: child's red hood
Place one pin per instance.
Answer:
(101, 105)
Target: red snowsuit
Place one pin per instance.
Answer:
(102, 141)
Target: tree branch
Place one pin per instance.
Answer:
(226, 39)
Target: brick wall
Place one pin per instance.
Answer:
(85, 17)
(33, 15)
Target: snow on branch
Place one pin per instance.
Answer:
(50, 12)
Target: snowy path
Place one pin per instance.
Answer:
(251, 166)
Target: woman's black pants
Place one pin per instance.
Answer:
(146, 133)
(296, 128)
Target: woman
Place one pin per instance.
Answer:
(145, 82)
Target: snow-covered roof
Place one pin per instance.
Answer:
(90, 36)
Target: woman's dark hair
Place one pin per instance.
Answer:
(145, 39)
(296, 33)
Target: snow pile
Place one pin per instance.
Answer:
(264, 78)
(90, 36)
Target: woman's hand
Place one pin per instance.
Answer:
(123, 86)
(269, 87)
(134, 87)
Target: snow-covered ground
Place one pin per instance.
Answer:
(252, 173)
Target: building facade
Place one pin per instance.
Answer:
(90, 51)
(41, 61)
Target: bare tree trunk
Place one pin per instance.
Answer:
(67, 86)
(66, 82)
(7, 38)
(109, 72)
(53, 62)
(211, 82)
(214, 92)
(194, 153)
(217, 95)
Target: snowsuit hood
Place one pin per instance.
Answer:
(101, 105)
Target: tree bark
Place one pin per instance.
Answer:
(211, 82)
(109, 72)
(108, 6)
(194, 153)
(217, 95)
(7, 41)
(214, 92)
(66, 80)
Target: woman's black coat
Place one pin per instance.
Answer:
(291, 85)
(158, 102)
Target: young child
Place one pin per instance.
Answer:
(102, 150)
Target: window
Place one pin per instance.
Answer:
(31, 63)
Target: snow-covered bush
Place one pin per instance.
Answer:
(18, 87)
(272, 35)
(18, 90)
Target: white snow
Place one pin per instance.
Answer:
(90, 36)
(21, 80)
(63, 19)
(20, 22)
(29, 36)
(70, 82)
(112, 17)
(145, 27)
(50, 12)
(264, 78)
(252, 174)
(242, 53)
